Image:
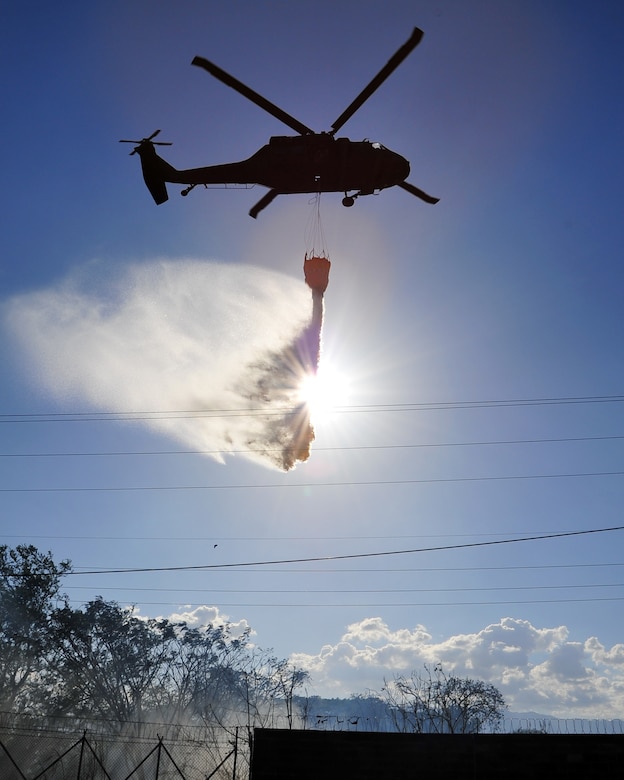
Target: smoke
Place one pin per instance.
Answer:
(214, 353)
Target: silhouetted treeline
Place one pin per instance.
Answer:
(105, 661)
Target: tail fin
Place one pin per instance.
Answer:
(155, 171)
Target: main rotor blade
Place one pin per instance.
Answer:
(263, 203)
(418, 192)
(146, 141)
(383, 74)
(149, 139)
(249, 93)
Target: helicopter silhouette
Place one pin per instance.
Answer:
(309, 162)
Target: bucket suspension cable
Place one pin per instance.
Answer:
(314, 235)
(316, 263)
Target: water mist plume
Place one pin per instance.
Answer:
(228, 342)
(275, 381)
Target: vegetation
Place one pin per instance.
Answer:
(106, 662)
(439, 703)
(29, 588)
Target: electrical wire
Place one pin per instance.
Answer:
(272, 539)
(290, 485)
(336, 591)
(378, 604)
(380, 408)
(350, 556)
(410, 570)
(358, 448)
(368, 408)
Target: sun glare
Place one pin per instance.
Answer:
(324, 392)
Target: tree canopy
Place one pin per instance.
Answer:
(29, 590)
(435, 702)
(107, 662)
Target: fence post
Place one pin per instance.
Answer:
(82, 746)
(158, 757)
(235, 753)
(12, 760)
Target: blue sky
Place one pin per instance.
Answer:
(478, 342)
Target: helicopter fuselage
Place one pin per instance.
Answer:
(307, 163)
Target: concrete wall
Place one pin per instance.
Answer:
(280, 754)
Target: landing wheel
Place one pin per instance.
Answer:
(348, 201)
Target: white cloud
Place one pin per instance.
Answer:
(205, 615)
(537, 669)
(600, 654)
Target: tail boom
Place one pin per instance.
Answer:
(156, 172)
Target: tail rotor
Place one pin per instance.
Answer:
(145, 141)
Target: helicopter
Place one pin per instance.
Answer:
(309, 162)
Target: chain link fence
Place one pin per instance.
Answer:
(43, 754)
(59, 750)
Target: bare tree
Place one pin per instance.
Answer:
(439, 703)
(288, 679)
(264, 691)
(202, 677)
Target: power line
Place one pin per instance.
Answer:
(282, 485)
(418, 569)
(350, 556)
(377, 604)
(425, 445)
(198, 413)
(336, 591)
(212, 539)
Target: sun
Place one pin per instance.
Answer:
(324, 392)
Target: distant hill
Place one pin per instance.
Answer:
(369, 713)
